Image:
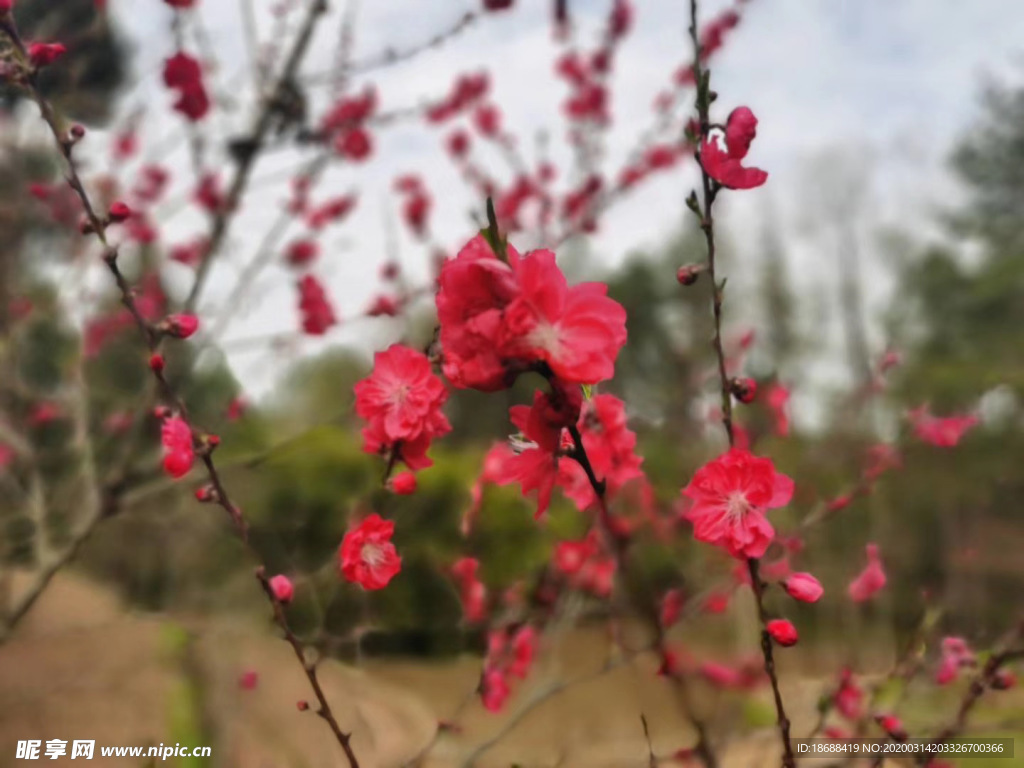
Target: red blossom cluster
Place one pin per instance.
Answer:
(466, 92)
(501, 318)
(183, 74)
(314, 307)
(416, 203)
(510, 653)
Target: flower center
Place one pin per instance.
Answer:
(545, 336)
(736, 505)
(372, 554)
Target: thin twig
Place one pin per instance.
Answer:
(710, 190)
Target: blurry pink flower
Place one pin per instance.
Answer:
(404, 483)
(282, 588)
(804, 587)
(494, 689)
(778, 400)
(870, 580)
(671, 607)
(942, 432)
(248, 680)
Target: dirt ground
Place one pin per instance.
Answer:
(82, 667)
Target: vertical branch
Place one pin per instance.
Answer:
(704, 208)
(618, 546)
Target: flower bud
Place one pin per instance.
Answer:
(803, 587)
(302, 705)
(688, 274)
(282, 588)
(782, 632)
(44, 54)
(119, 211)
(403, 483)
(206, 493)
(156, 362)
(1004, 680)
(181, 326)
(743, 389)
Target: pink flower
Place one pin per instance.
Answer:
(402, 402)
(176, 438)
(44, 54)
(726, 169)
(472, 591)
(314, 306)
(524, 647)
(404, 483)
(717, 602)
(740, 130)
(942, 432)
(119, 211)
(367, 556)
(870, 580)
(183, 74)
(730, 496)
(578, 331)
(354, 144)
(498, 319)
(671, 607)
(302, 252)
(849, 697)
(494, 689)
(248, 680)
(782, 632)
(778, 400)
(282, 588)
(803, 587)
(956, 654)
(893, 726)
(475, 287)
(182, 326)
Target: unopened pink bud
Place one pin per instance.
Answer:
(181, 326)
(804, 587)
(282, 588)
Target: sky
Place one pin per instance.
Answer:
(887, 84)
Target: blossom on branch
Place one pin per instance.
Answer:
(401, 401)
(500, 318)
(723, 165)
(870, 580)
(367, 556)
(179, 453)
(730, 495)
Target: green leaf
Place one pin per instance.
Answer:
(492, 234)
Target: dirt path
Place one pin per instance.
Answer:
(81, 667)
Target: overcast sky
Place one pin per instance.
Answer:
(894, 82)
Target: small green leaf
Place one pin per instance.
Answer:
(493, 235)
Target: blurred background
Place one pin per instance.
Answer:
(890, 230)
